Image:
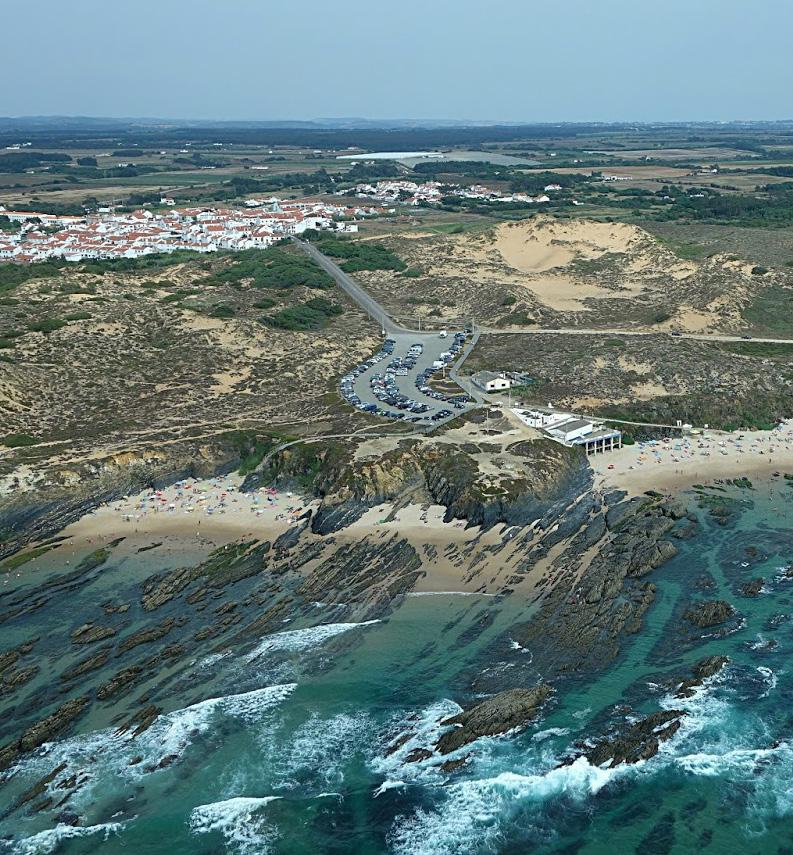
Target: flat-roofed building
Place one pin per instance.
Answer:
(489, 381)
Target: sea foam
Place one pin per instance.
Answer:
(239, 821)
(109, 752)
(473, 815)
(295, 640)
(48, 841)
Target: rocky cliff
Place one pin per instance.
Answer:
(536, 477)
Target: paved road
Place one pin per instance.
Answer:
(630, 333)
(353, 289)
(404, 337)
(379, 314)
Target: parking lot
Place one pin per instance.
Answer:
(393, 383)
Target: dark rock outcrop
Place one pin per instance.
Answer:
(146, 636)
(638, 742)
(580, 623)
(54, 725)
(703, 670)
(441, 473)
(753, 587)
(709, 613)
(504, 711)
(56, 503)
(88, 633)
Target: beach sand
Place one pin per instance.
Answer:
(677, 464)
(189, 519)
(199, 514)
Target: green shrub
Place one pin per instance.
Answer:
(221, 311)
(78, 316)
(175, 297)
(311, 315)
(146, 262)
(18, 440)
(6, 343)
(322, 304)
(275, 267)
(759, 270)
(13, 275)
(46, 325)
(360, 255)
(265, 303)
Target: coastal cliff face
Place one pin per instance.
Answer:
(484, 486)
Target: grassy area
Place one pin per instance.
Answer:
(14, 275)
(358, 255)
(156, 261)
(771, 311)
(687, 250)
(760, 349)
(18, 440)
(312, 315)
(760, 411)
(276, 267)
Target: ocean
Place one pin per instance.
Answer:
(300, 743)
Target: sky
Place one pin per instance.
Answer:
(483, 60)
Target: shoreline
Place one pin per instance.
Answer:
(674, 464)
(195, 516)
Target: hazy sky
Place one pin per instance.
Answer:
(513, 60)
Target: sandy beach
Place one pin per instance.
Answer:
(198, 513)
(679, 463)
(194, 517)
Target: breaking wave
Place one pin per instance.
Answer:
(48, 841)
(239, 822)
(295, 640)
(101, 753)
(320, 749)
(474, 814)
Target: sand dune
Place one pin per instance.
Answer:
(542, 244)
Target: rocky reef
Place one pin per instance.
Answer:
(640, 741)
(593, 605)
(709, 613)
(508, 710)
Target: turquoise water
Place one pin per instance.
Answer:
(284, 748)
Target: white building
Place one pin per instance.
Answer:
(489, 381)
(569, 429)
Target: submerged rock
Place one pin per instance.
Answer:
(753, 587)
(504, 711)
(88, 633)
